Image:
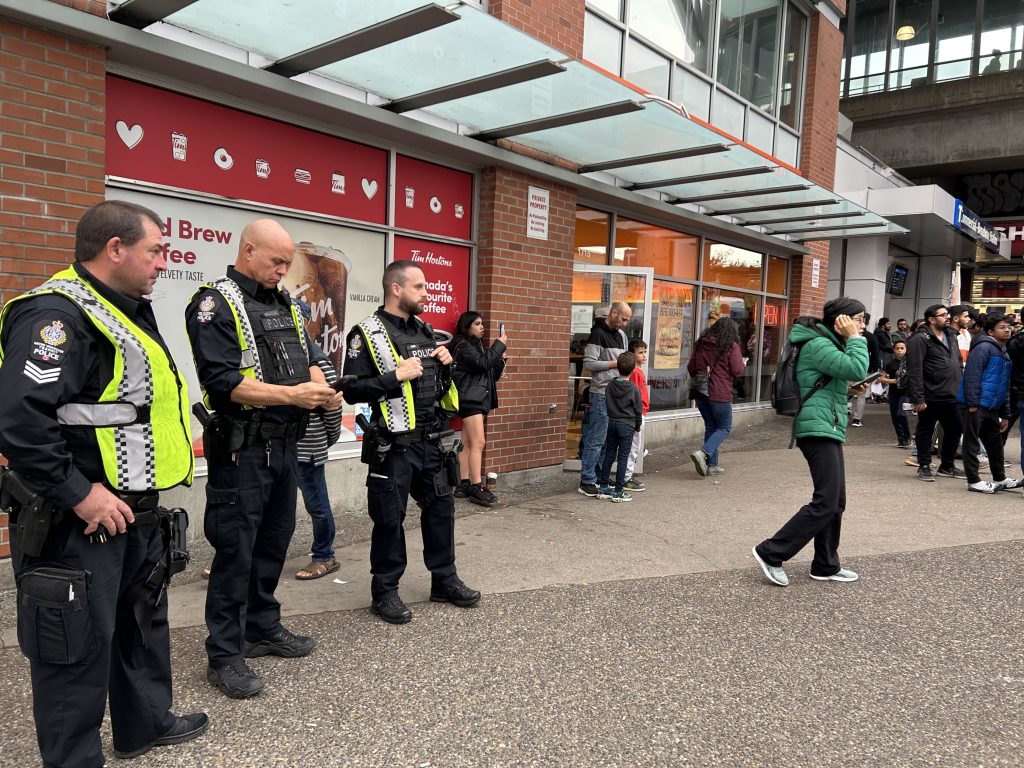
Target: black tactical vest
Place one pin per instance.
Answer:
(282, 358)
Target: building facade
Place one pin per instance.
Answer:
(539, 159)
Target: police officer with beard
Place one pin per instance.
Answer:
(95, 424)
(252, 358)
(407, 380)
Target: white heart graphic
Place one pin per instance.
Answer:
(369, 188)
(130, 136)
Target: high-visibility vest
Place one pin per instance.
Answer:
(399, 412)
(249, 364)
(141, 419)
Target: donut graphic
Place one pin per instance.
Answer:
(223, 159)
(435, 205)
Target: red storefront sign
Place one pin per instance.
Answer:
(170, 139)
(433, 199)
(1014, 232)
(446, 268)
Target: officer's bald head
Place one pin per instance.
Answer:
(265, 251)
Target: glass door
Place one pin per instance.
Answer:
(595, 287)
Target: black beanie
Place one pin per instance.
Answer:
(844, 305)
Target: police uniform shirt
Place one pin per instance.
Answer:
(54, 355)
(372, 386)
(214, 338)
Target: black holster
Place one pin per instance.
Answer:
(30, 515)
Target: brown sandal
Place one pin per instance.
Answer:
(318, 569)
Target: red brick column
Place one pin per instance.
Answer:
(51, 154)
(527, 284)
(818, 152)
(558, 23)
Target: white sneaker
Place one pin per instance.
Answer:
(1004, 485)
(982, 487)
(843, 574)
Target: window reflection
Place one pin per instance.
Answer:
(731, 265)
(670, 253)
(771, 346)
(742, 308)
(591, 236)
(748, 46)
(793, 68)
(778, 276)
(602, 43)
(681, 27)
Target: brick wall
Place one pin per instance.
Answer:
(533, 300)
(558, 23)
(51, 150)
(818, 153)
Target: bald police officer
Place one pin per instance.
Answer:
(252, 358)
(406, 378)
(95, 424)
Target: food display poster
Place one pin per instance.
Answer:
(336, 271)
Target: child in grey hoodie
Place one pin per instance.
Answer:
(625, 412)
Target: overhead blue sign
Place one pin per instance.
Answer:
(975, 227)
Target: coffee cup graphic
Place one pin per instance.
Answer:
(262, 168)
(318, 275)
(179, 146)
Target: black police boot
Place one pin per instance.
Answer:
(185, 728)
(282, 643)
(463, 490)
(392, 609)
(455, 593)
(235, 680)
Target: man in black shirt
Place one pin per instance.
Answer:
(406, 378)
(95, 421)
(252, 359)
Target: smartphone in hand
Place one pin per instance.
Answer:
(868, 380)
(501, 329)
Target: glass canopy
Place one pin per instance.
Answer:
(459, 63)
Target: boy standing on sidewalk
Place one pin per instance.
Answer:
(625, 414)
(639, 349)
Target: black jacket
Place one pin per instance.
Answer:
(1015, 349)
(624, 403)
(477, 370)
(933, 368)
(874, 362)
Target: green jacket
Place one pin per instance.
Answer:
(824, 413)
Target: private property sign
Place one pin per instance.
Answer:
(538, 205)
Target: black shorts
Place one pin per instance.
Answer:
(471, 411)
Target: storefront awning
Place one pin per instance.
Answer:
(458, 63)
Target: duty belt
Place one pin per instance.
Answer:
(258, 429)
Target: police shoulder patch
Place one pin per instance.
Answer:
(50, 340)
(355, 345)
(207, 308)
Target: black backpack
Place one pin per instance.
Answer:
(785, 391)
(902, 376)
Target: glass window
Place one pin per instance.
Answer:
(760, 131)
(955, 41)
(728, 113)
(793, 60)
(867, 51)
(671, 344)
(672, 254)
(1002, 36)
(591, 236)
(742, 308)
(787, 147)
(774, 335)
(602, 44)
(692, 92)
(612, 7)
(908, 60)
(748, 47)
(731, 265)
(646, 68)
(681, 27)
(778, 275)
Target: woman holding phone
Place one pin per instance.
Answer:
(477, 370)
(835, 352)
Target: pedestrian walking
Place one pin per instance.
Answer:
(834, 353)
(716, 357)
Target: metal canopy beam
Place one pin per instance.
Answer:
(833, 234)
(788, 219)
(658, 157)
(748, 193)
(716, 176)
(827, 228)
(473, 86)
(560, 121)
(778, 207)
(141, 13)
(363, 40)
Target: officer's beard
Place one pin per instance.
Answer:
(410, 307)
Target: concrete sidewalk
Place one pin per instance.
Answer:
(643, 634)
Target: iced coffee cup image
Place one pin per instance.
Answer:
(318, 276)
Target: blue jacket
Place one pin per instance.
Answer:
(986, 380)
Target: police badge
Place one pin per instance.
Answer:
(206, 309)
(355, 345)
(53, 336)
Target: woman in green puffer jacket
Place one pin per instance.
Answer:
(832, 347)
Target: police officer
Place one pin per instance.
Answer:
(405, 376)
(94, 425)
(252, 358)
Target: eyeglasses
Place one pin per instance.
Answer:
(942, 314)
